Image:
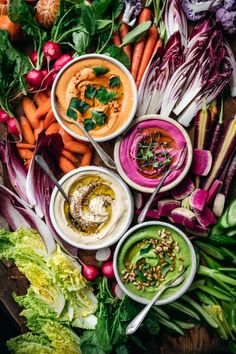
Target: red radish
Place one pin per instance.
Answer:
(198, 230)
(202, 162)
(4, 116)
(138, 200)
(54, 75)
(108, 270)
(198, 200)
(118, 292)
(183, 190)
(218, 205)
(90, 272)
(104, 254)
(47, 80)
(35, 78)
(34, 58)
(165, 206)
(151, 213)
(62, 61)
(214, 189)
(13, 126)
(51, 50)
(205, 218)
(183, 216)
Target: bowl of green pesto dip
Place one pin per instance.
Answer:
(150, 255)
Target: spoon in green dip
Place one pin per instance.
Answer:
(134, 325)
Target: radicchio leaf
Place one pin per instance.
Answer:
(175, 20)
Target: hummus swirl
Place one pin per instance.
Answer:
(98, 210)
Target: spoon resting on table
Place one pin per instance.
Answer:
(108, 161)
(134, 325)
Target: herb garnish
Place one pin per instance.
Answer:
(90, 92)
(114, 81)
(98, 118)
(100, 70)
(76, 105)
(105, 96)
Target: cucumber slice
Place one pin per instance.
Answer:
(223, 221)
(231, 215)
(231, 232)
(222, 240)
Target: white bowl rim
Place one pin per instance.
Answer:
(87, 169)
(168, 186)
(182, 289)
(113, 61)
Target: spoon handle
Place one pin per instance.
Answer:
(143, 213)
(134, 325)
(43, 164)
(101, 152)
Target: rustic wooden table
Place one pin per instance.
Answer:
(197, 341)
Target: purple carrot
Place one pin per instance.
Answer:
(229, 175)
(218, 131)
(202, 128)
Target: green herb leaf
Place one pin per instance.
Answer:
(118, 54)
(78, 105)
(89, 124)
(88, 18)
(99, 117)
(100, 70)
(100, 7)
(102, 25)
(117, 8)
(114, 82)
(137, 33)
(72, 113)
(90, 92)
(105, 96)
(141, 276)
(81, 39)
(166, 257)
(165, 269)
(145, 249)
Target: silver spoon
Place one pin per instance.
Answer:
(101, 152)
(143, 213)
(43, 164)
(134, 325)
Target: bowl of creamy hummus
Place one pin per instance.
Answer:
(100, 209)
(98, 91)
(149, 147)
(150, 255)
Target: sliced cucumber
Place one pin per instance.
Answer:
(222, 240)
(223, 221)
(231, 215)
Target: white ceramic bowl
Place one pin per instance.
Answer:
(186, 283)
(169, 185)
(75, 241)
(121, 67)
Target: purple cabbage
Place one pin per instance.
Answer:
(131, 12)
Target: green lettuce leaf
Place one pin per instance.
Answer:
(28, 343)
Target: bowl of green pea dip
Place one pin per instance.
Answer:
(148, 256)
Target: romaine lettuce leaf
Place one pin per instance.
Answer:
(28, 343)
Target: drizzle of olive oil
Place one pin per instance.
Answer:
(103, 189)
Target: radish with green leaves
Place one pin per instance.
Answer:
(52, 51)
(35, 78)
(4, 116)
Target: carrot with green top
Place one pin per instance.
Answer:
(124, 30)
(145, 15)
(147, 53)
(116, 38)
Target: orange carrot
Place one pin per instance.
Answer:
(14, 30)
(27, 163)
(30, 110)
(49, 119)
(86, 159)
(65, 164)
(145, 15)
(38, 130)
(43, 109)
(53, 128)
(25, 146)
(65, 136)
(124, 29)
(40, 98)
(78, 147)
(69, 155)
(147, 53)
(27, 131)
(158, 45)
(116, 38)
(25, 153)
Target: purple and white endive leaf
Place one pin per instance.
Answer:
(232, 81)
(131, 12)
(16, 170)
(49, 146)
(18, 214)
(175, 20)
